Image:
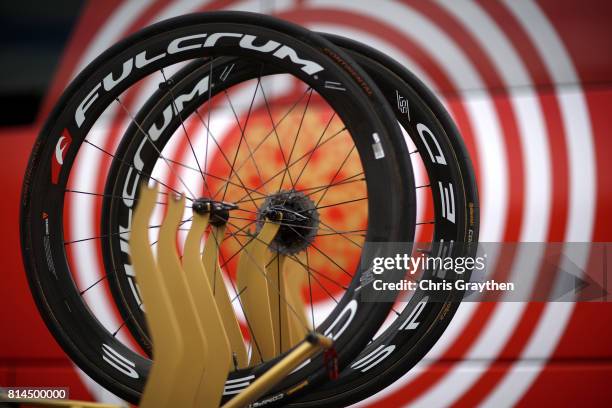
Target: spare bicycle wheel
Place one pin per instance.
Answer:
(448, 187)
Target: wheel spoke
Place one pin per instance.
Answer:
(241, 199)
(246, 142)
(312, 245)
(178, 113)
(348, 155)
(274, 128)
(297, 179)
(317, 189)
(265, 138)
(210, 86)
(252, 237)
(341, 203)
(242, 136)
(297, 135)
(92, 285)
(119, 328)
(129, 165)
(314, 271)
(348, 180)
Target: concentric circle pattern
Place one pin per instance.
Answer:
(508, 79)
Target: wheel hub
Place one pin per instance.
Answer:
(219, 210)
(298, 217)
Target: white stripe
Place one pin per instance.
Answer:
(176, 8)
(241, 379)
(549, 330)
(493, 188)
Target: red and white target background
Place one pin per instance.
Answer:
(529, 85)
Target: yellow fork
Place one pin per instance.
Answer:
(191, 350)
(288, 312)
(253, 286)
(218, 361)
(164, 379)
(224, 303)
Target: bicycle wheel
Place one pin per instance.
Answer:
(51, 219)
(449, 186)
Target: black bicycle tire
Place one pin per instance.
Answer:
(40, 157)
